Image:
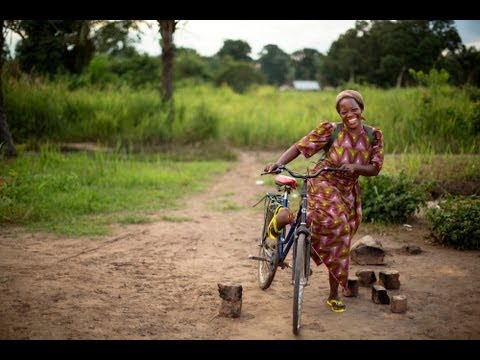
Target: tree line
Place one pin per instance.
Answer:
(377, 52)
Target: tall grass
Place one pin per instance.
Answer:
(440, 119)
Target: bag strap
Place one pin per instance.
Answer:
(369, 132)
(330, 142)
(332, 138)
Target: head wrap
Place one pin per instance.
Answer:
(349, 94)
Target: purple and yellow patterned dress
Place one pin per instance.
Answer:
(334, 203)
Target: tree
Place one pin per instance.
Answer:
(43, 47)
(463, 66)
(190, 65)
(5, 136)
(381, 51)
(167, 28)
(416, 44)
(53, 46)
(306, 63)
(236, 49)
(275, 64)
(239, 75)
(112, 37)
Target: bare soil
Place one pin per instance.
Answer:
(160, 280)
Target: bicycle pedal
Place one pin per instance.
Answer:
(253, 257)
(285, 265)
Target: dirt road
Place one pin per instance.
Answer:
(159, 280)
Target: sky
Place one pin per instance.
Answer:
(207, 36)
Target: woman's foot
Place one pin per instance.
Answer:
(273, 230)
(336, 305)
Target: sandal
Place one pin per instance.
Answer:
(336, 305)
(273, 230)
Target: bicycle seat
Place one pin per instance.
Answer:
(283, 180)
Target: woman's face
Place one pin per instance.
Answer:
(350, 113)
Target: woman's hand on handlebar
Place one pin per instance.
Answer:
(270, 168)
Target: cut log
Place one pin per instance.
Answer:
(389, 279)
(366, 277)
(231, 294)
(379, 295)
(399, 304)
(352, 287)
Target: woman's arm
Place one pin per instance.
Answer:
(365, 170)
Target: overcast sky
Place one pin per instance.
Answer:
(207, 36)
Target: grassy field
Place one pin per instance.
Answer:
(436, 119)
(83, 193)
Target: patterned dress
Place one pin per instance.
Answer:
(334, 203)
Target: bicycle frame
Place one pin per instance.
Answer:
(287, 240)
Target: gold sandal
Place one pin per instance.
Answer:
(336, 305)
(273, 231)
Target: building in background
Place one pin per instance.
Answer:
(306, 85)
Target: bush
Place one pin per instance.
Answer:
(388, 199)
(455, 222)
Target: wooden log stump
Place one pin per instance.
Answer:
(398, 304)
(366, 277)
(389, 279)
(352, 287)
(231, 294)
(379, 295)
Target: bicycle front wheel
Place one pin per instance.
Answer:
(300, 281)
(268, 254)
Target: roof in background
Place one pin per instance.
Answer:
(306, 85)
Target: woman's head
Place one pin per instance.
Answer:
(350, 105)
(349, 94)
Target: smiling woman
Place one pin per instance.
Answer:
(334, 204)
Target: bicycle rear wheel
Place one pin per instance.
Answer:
(267, 265)
(300, 281)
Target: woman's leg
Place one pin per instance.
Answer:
(333, 287)
(334, 301)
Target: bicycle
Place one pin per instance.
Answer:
(299, 236)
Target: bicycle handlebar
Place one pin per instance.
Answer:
(279, 169)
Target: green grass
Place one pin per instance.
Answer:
(441, 119)
(434, 167)
(82, 194)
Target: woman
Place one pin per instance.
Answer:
(334, 203)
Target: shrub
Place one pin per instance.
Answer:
(388, 199)
(455, 222)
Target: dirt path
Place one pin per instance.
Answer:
(159, 281)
